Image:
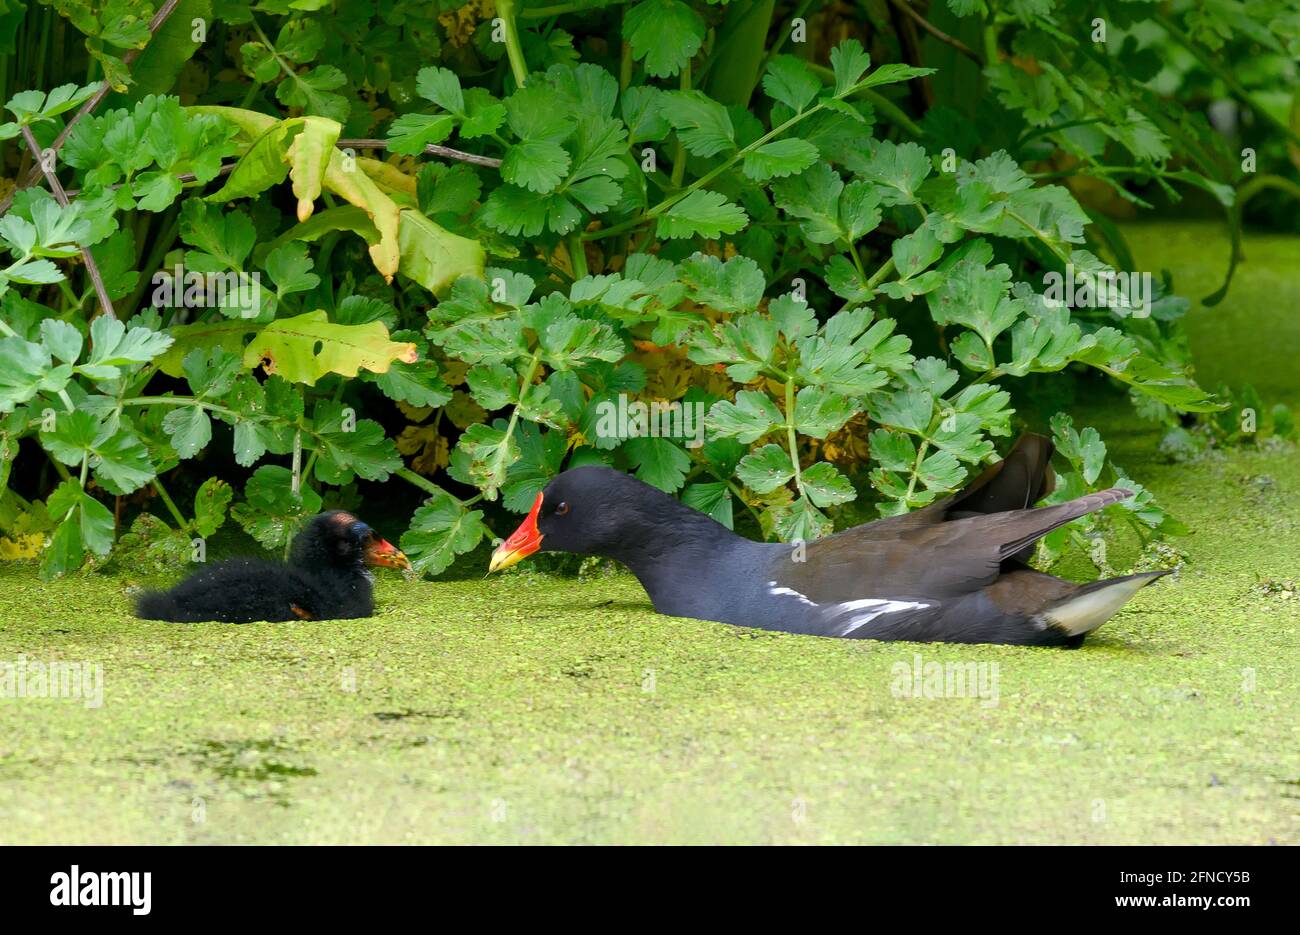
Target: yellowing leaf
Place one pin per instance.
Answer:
(228, 335)
(21, 546)
(463, 411)
(434, 257)
(308, 156)
(388, 177)
(414, 413)
(252, 124)
(305, 348)
(401, 236)
(430, 449)
(260, 167)
(346, 179)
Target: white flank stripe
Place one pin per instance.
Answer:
(788, 592)
(878, 606)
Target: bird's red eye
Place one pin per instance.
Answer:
(561, 509)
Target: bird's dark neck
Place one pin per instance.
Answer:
(312, 558)
(685, 560)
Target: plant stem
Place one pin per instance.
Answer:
(881, 274)
(180, 401)
(171, 505)
(428, 486)
(892, 111)
(732, 486)
(791, 439)
(559, 9)
(523, 388)
(295, 485)
(679, 153)
(1061, 254)
(514, 51)
(625, 67)
(916, 468)
(157, 253)
(703, 180)
(59, 467)
(577, 254)
(990, 37)
(784, 34)
(857, 260)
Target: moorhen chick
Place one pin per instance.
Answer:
(954, 571)
(324, 579)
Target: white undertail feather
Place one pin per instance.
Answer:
(1088, 611)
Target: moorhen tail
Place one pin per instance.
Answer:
(324, 579)
(953, 571)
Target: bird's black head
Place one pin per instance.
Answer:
(595, 510)
(338, 539)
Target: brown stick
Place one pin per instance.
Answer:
(62, 198)
(432, 149)
(909, 45)
(938, 33)
(226, 169)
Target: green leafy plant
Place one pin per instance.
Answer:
(472, 230)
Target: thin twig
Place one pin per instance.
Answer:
(909, 46)
(62, 198)
(184, 177)
(938, 33)
(432, 149)
(94, 100)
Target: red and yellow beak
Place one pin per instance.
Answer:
(522, 543)
(383, 553)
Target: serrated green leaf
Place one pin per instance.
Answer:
(440, 530)
(779, 159)
(748, 419)
(765, 469)
(665, 34)
(702, 213)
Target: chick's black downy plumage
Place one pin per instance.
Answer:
(325, 579)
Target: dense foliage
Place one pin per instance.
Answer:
(821, 224)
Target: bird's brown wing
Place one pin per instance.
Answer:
(1016, 482)
(936, 561)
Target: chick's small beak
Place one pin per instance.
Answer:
(383, 553)
(522, 543)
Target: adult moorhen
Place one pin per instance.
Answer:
(325, 579)
(953, 571)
